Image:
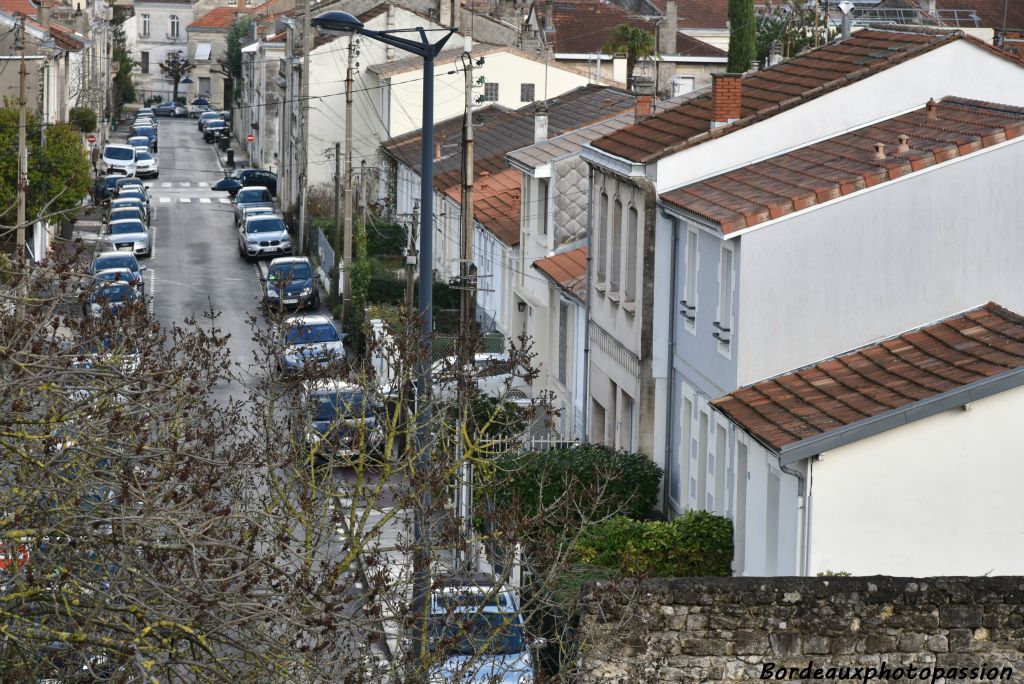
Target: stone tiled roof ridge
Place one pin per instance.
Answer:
(764, 92)
(951, 354)
(844, 164)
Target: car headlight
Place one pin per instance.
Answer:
(253, 241)
(305, 291)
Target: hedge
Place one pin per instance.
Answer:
(697, 544)
(629, 482)
(83, 118)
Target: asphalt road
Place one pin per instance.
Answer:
(195, 266)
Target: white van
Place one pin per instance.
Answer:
(119, 159)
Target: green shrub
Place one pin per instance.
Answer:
(696, 544)
(83, 118)
(622, 482)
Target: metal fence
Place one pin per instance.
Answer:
(324, 258)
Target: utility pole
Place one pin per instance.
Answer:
(22, 155)
(335, 275)
(346, 280)
(304, 138)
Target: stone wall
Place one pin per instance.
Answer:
(730, 629)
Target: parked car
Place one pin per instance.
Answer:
(215, 130)
(261, 236)
(104, 261)
(169, 109)
(206, 117)
(145, 111)
(477, 633)
(122, 213)
(254, 177)
(340, 421)
(255, 196)
(120, 158)
(310, 342)
(133, 201)
(149, 132)
(143, 121)
(198, 106)
(131, 182)
(105, 186)
(139, 141)
(250, 212)
(494, 374)
(146, 165)
(118, 275)
(291, 283)
(110, 298)
(134, 191)
(128, 235)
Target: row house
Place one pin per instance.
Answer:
(729, 309)
(159, 28)
(262, 94)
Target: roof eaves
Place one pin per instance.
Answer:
(848, 434)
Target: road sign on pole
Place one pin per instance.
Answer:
(91, 138)
(250, 137)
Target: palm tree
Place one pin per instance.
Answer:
(633, 41)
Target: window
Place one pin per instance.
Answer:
(689, 301)
(490, 92)
(682, 85)
(616, 248)
(723, 326)
(597, 427)
(740, 523)
(702, 461)
(601, 221)
(720, 475)
(631, 254)
(526, 92)
(683, 455)
(771, 525)
(204, 85)
(145, 25)
(626, 430)
(542, 207)
(563, 341)
(144, 62)
(613, 424)
(175, 26)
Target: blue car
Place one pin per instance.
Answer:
(147, 131)
(291, 283)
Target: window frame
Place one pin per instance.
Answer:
(615, 253)
(632, 253)
(523, 92)
(601, 251)
(563, 342)
(487, 96)
(724, 323)
(144, 61)
(691, 279)
(174, 24)
(542, 206)
(145, 21)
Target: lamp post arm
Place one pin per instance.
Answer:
(422, 48)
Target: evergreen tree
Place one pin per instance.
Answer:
(742, 35)
(634, 42)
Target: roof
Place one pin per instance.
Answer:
(845, 164)
(496, 203)
(700, 14)
(25, 8)
(584, 26)
(990, 12)
(66, 38)
(217, 19)
(779, 88)
(880, 386)
(414, 63)
(499, 131)
(567, 270)
(570, 143)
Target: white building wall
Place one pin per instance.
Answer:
(159, 44)
(960, 68)
(940, 496)
(887, 259)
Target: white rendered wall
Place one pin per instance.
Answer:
(940, 496)
(960, 68)
(880, 262)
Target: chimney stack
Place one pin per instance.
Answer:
(668, 29)
(879, 150)
(437, 151)
(726, 96)
(241, 6)
(904, 145)
(549, 15)
(540, 123)
(44, 13)
(643, 88)
(933, 114)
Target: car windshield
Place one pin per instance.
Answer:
(271, 224)
(252, 196)
(127, 182)
(290, 272)
(113, 276)
(114, 292)
(111, 181)
(476, 633)
(124, 214)
(312, 334)
(125, 202)
(340, 404)
(216, 123)
(119, 153)
(144, 155)
(115, 261)
(126, 228)
(209, 115)
(145, 131)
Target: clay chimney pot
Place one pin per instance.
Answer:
(904, 145)
(879, 150)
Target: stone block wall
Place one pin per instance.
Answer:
(731, 629)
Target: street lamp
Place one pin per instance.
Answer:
(343, 22)
(187, 81)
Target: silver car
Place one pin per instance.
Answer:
(264, 236)
(252, 196)
(310, 342)
(128, 235)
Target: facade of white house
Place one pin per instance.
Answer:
(161, 29)
(261, 116)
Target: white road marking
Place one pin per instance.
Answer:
(184, 200)
(152, 241)
(165, 200)
(224, 200)
(152, 288)
(166, 184)
(185, 184)
(204, 200)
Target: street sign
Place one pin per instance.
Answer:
(91, 138)
(250, 137)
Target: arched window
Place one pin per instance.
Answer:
(631, 252)
(601, 221)
(616, 248)
(175, 25)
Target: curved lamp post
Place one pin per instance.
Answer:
(345, 23)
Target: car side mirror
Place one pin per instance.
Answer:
(141, 269)
(227, 185)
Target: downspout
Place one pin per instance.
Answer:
(671, 365)
(586, 327)
(800, 492)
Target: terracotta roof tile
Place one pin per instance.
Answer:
(499, 131)
(219, 18)
(567, 270)
(872, 380)
(25, 8)
(66, 38)
(990, 12)
(846, 163)
(496, 203)
(772, 90)
(700, 14)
